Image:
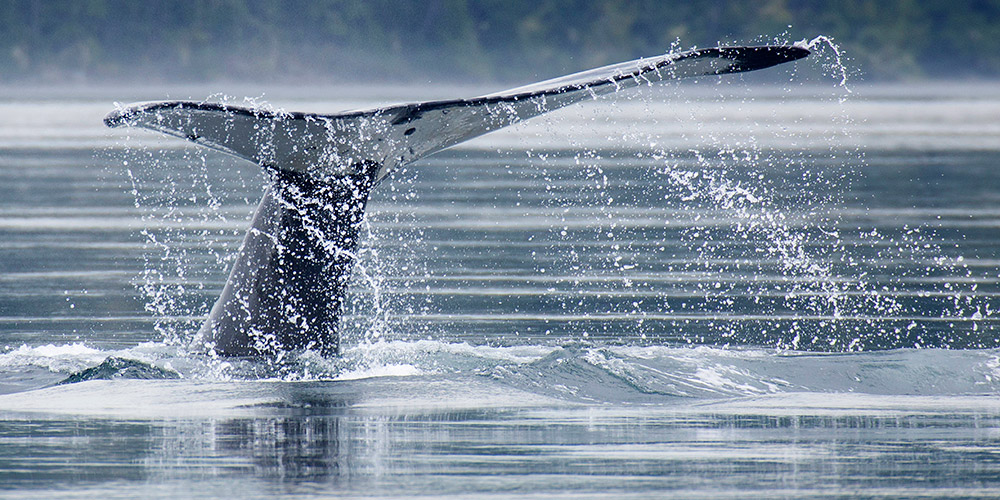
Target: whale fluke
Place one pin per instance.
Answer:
(289, 280)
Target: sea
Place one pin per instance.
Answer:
(717, 289)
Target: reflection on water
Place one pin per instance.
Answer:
(560, 452)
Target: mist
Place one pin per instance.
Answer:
(82, 42)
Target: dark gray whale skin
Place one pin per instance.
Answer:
(288, 284)
(287, 287)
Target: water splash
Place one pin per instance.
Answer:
(837, 66)
(189, 230)
(185, 201)
(820, 284)
(814, 288)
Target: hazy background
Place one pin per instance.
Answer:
(331, 41)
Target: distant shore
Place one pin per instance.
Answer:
(171, 41)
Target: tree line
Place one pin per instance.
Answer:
(368, 40)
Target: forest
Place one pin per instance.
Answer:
(81, 41)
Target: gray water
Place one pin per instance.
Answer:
(703, 291)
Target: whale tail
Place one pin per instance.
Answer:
(288, 283)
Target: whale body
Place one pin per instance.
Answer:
(289, 280)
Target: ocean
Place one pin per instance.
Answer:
(701, 290)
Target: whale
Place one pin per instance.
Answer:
(289, 281)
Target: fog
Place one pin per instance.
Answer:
(439, 42)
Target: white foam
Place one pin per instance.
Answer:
(57, 358)
(394, 349)
(381, 371)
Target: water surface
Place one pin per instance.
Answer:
(699, 292)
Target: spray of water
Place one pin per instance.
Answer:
(737, 209)
(820, 279)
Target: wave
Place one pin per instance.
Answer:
(573, 372)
